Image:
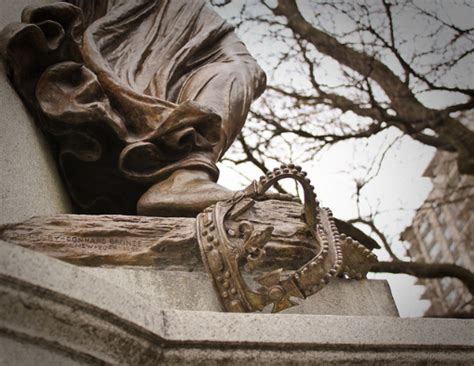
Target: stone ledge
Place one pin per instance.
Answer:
(48, 305)
(181, 290)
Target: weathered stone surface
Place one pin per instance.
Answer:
(59, 309)
(177, 290)
(193, 291)
(30, 184)
(14, 352)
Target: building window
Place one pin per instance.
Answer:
(424, 227)
(454, 209)
(460, 224)
(429, 238)
(439, 180)
(453, 249)
(445, 283)
(454, 181)
(447, 232)
(441, 217)
(435, 250)
(451, 298)
(460, 261)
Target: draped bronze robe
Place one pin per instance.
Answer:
(130, 90)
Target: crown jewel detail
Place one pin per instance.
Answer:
(225, 250)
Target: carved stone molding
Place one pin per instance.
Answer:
(56, 308)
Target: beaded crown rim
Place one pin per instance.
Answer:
(222, 255)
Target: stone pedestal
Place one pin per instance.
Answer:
(52, 312)
(30, 183)
(181, 290)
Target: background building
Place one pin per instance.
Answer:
(442, 231)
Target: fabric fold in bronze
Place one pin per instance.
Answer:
(129, 91)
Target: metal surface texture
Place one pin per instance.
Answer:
(229, 245)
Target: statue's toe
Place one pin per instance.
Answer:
(185, 201)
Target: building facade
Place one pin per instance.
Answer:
(442, 232)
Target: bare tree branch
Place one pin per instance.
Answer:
(379, 233)
(403, 101)
(428, 270)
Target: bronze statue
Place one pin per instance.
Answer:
(140, 98)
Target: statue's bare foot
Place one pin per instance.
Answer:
(183, 193)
